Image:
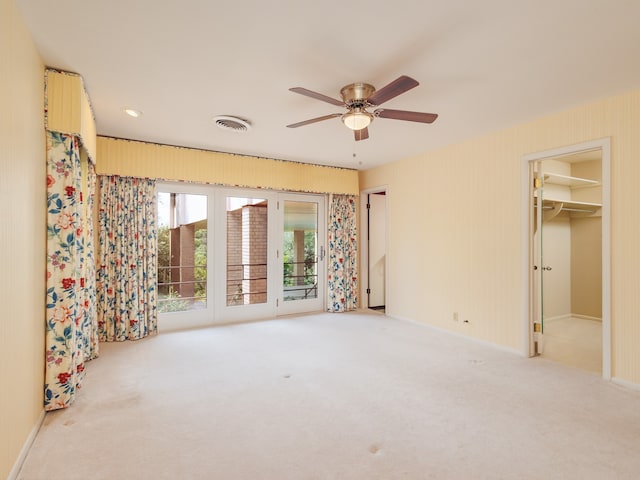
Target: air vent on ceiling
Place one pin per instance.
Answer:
(232, 124)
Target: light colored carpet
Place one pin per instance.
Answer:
(335, 396)
(573, 341)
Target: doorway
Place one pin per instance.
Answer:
(272, 248)
(230, 254)
(375, 248)
(302, 254)
(567, 231)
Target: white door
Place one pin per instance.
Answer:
(538, 285)
(271, 249)
(185, 262)
(377, 249)
(301, 256)
(245, 253)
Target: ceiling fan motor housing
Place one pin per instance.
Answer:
(355, 97)
(356, 94)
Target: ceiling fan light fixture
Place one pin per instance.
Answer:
(357, 119)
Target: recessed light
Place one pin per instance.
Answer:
(132, 112)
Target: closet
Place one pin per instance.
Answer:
(568, 200)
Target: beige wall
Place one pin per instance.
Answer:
(454, 219)
(573, 248)
(586, 246)
(586, 266)
(22, 235)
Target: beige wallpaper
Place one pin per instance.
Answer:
(455, 227)
(22, 235)
(69, 108)
(139, 159)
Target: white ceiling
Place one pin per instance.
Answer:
(482, 66)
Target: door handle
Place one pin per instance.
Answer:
(547, 268)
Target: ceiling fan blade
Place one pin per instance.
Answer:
(314, 120)
(395, 88)
(405, 115)
(361, 134)
(317, 96)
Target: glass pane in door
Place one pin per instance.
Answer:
(537, 254)
(246, 251)
(541, 198)
(182, 252)
(300, 251)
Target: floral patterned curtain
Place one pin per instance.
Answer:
(88, 298)
(342, 285)
(127, 277)
(70, 337)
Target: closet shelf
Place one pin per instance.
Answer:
(572, 205)
(557, 179)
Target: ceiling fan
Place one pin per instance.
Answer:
(357, 98)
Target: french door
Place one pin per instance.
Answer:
(301, 253)
(238, 254)
(185, 284)
(270, 248)
(246, 228)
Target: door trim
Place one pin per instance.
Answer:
(604, 145)
(364, 246)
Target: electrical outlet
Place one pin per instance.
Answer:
(455, 316)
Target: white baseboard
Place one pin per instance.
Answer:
(625, 383)
(587, 317)
(13, 474)
(572, 315)
(460, 335)
(558, 317)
